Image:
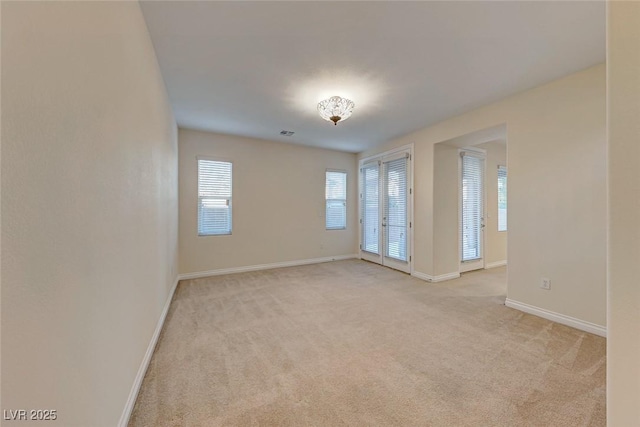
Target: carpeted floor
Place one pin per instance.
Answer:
(353, 343)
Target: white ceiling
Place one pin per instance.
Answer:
(256, 68)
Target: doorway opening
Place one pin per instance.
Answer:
(470, 203)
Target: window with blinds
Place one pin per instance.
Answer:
(214, 197)
(336, 200)
(472, 209)
(502, 198)
(395, 208)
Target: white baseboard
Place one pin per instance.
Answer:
(495, 264)
(137, 383)
(257, 267)
(422, 276)
(558, 318)
(440, 278)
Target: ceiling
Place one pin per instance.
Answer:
(256, 68)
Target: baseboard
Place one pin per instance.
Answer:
(558, 318)
(422, 276)
(257, 267)
(495, 264)
(440, 278)
(137, 383)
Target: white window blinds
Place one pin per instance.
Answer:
(336, 200)
(472, 215)
(395, 208)
(214, 197)
(370, 208)
(502, 198)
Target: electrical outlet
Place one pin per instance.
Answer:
(545, 283)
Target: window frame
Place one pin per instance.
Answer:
(198, 198)
(326, 200)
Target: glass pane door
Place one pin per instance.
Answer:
(472, 215)
(386, 211)
(395, 209)
(371, 208)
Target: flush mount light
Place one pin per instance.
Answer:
(335, 109)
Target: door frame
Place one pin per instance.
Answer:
(381, 157)
(465, 266)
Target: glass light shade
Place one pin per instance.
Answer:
(335, 109)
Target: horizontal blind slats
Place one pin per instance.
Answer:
(502, 198)
(336, 200)
(214, 178)
(371, 208)
(471, 207)
(336, 185)
(395, 209)
(214, 197)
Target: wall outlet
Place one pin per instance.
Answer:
(545, 283)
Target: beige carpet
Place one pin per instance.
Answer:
(353, 343)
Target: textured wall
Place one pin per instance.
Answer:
(89, 206)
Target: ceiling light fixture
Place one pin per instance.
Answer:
(335, 109)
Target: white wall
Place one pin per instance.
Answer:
(278, 203)
(623, 343)
(446, 194)
(557, 202)
(89, 206)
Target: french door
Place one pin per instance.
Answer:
(386, 211)
(471, 211)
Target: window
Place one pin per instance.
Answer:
(336, 200)
(214, 197)
(502, 198)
